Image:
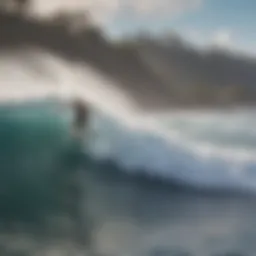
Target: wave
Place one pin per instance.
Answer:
(208, 149)
(214, 150)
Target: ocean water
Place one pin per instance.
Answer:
(175, 183)
(32, 138)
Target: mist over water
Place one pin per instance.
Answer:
(130, 216)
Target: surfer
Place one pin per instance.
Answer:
(70, 176)
(76, 188)
(81, 116)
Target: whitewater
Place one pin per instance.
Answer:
(204, 148)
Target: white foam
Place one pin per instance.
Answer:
(30, 74)
(171, 153)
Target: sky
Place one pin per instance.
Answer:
(224, 23)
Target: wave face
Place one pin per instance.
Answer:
(214, 149)
(209, 149)
(33, 138)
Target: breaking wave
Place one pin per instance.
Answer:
(210, 149)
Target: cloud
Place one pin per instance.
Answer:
(149, 7)
(106, 10)
(227, 39)
(100, 9)
(222, 38)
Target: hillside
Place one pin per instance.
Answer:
(156, 73)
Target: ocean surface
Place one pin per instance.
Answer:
(175, 183)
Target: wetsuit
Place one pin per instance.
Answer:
(76, 190)
(81, 115)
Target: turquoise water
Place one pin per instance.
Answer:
(33, 138)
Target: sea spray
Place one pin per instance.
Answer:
(179, 145)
